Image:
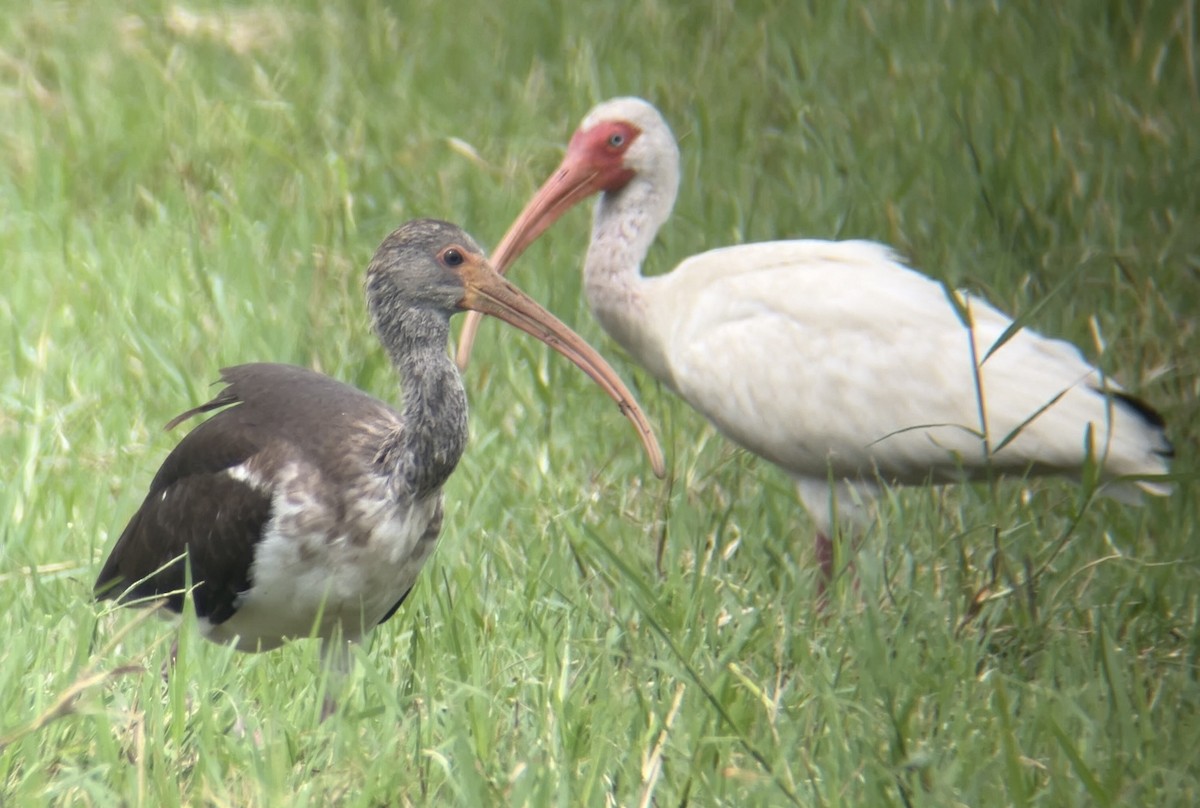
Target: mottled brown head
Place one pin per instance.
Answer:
(427, 270)
(420, 265)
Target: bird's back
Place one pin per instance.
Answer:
(257, 494)
(835, 357)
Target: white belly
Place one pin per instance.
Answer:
(310, 580)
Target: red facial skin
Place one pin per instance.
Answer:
(594, 163)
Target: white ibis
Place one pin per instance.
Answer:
(831, 359)
(306, 507)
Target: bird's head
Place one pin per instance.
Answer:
(622, 143)
(427, 270)
(621, 139)
(423, 264)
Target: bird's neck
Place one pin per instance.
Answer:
(423, 454)
(624, 227)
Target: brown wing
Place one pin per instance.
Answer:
(195, 516)
(199, 516)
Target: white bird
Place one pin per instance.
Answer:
(831, 359)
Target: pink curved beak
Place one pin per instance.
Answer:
(485, 291)
(573, 181)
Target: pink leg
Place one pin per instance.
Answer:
(823, 550)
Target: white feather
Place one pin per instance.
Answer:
(833, 359)
(306, 583)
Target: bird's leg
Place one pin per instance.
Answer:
(823, 550)
(337, 656)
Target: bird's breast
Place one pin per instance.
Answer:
(326, 564)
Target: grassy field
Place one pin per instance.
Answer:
(184, 187)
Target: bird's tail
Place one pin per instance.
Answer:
(1147, 450)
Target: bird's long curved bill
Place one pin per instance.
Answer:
(488, 293)
(570, 184)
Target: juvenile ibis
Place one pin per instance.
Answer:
(305, 507)
(831, 359)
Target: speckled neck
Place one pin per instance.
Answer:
(425, 452)
(625, 225)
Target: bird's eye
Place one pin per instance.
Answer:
(616, 140)
(452, 258)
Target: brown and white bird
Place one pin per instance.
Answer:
(305, 507)
(831, 359)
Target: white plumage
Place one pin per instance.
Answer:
(831, 359)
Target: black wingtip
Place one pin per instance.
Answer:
(1148, 414)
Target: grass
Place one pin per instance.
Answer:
(184, 187)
